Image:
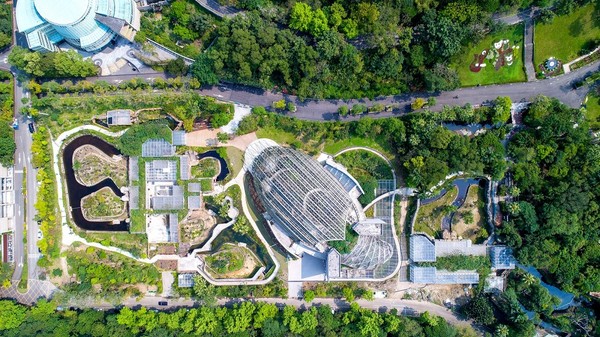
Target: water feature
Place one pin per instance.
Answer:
(223, 163)
(469, 129)
(76, 191)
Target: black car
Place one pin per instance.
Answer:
(163, 303)
(31, 127)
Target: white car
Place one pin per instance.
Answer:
(40, 235)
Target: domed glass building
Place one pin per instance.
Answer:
(86, 24)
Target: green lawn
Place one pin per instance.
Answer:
(593, 111)
(489, 75)
(567, 35)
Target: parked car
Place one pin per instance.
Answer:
(31, 127)
(15, 124)
(163, 303)
(40, 234)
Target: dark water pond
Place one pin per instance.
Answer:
(77, 191)
(224, 168)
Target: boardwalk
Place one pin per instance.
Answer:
(218, 10)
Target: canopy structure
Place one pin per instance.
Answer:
(86, 24)
(300, 196)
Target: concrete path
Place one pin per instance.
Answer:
(528, 43)
(217, 9)
(567, 66)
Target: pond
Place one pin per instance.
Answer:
(469, 129)
(223, 163)
(76, 191)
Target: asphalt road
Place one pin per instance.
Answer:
(560, 87)
(404, 307)
(25, 197)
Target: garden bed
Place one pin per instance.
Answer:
(469, 220)
(429, 218)
(103, 205)
(488, 74)
(92, 166)
(232, 261)
(592, 114)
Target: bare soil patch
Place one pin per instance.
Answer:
(469, 220)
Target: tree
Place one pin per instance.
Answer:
(348, 294)
(12, 315)
(223, 137)
(309, 296)
(501, 110)
(203, 69)
(301, 17)
(241, 225)
(441, 78)
(431, 101)
(480, 309)
(204, 291)
(176, 67)
(501, 331)
(343, 110)
(279, 105)
(418, 104)
(318, 24)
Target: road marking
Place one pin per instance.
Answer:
(18, 171)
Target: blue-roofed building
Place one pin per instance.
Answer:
(502, 257)
(86, 24)
(421, 249)
(430, 275)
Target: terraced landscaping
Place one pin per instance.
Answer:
(92, 166)
(429, 218)
(232, 262)
(103, 205)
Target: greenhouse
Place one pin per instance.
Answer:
(300, 196)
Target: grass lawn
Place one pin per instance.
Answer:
(567, 35)
(335, 147)
(279, 136)
(593, 111)
(236, 160)
(488, 75)
(429, 219)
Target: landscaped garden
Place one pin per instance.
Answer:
(104, 272)
(345, 246)
(469, 219)
(92, 166)
(429, 218)
(206, 168)
(103, 205)
(182, 26)
(233, 261)
(367, 168)
(498, 58)
(568, 36)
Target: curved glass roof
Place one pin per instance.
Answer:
(63, 12)
(299, 194)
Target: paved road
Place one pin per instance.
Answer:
(528, 45)
(404, 307)
(318, 110)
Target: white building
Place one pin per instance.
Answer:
(86, 24)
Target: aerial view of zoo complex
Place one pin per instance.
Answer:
(300, 168)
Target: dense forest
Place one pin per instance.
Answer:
(5, 25)
(555, 222)
(245, 319)
(52, 65)
(343, 48)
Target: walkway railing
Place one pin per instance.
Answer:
(170, 51)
